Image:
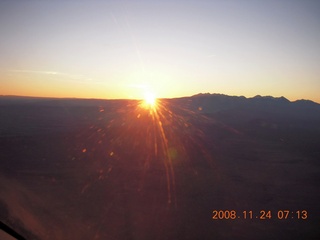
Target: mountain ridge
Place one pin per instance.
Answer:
(267, 97)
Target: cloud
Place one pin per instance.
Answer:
(34, 72)
(74, 77)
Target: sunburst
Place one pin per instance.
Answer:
(150, 99)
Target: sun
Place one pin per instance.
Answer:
(150, 99)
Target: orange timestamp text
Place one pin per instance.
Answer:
(261, 215)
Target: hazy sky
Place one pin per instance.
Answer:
(120, 49)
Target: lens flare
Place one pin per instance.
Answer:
(148, 140)
(150, 99)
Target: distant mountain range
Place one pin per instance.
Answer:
(258, 106)
(255, 98)
(211, 96)
(205, 103)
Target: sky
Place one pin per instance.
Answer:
(123, 49)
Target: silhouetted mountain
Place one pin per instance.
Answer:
(267, 106)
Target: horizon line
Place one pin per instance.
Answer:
(139, 99)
